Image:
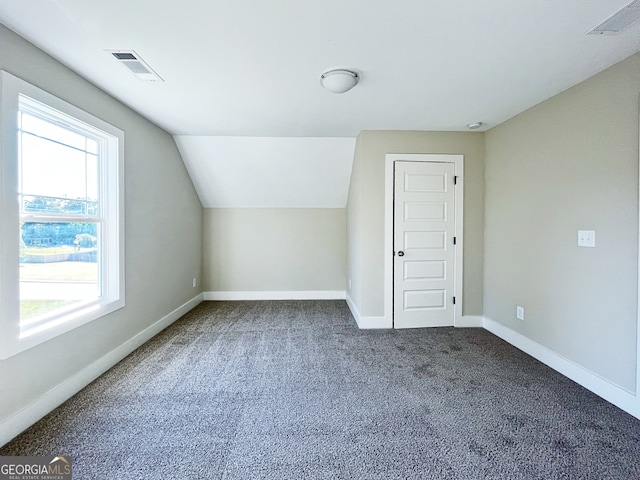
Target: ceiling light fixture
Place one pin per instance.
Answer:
(339, 80)
(474, 126)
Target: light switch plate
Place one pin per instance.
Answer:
(586, 238)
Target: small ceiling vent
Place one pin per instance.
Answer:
(136, 65)
(620, 20)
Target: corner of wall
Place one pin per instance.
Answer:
(612, 393)
(367, 323)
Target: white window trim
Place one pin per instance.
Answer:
(14, 338)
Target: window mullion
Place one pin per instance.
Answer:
(61, 218)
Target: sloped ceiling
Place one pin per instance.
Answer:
(251, 68)
(239, 171)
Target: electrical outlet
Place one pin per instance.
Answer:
(195, 283)
(519, 312)
(586, 238)
(349, 283)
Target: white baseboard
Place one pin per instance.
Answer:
(277, 295)
(366, 322)
(470, 321)
(620, 397)
(37, 409)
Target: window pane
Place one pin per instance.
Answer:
(66, 182)
(42, 128)
(58, 267)
(92, 177)
(51, 169)
(39, 204)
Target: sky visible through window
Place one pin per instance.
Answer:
(59, 176)
(56, 162)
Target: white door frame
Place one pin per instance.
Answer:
(458, 161)
(637, 392)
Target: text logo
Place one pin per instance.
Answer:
(35, 468)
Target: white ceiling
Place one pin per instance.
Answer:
(252, 67)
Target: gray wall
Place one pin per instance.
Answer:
(569, 163)
(274, 249)
(365, 211)
(163, 234)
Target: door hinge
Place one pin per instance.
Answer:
(455, 179)
(454, 300)
(454, 240)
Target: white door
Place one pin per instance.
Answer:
(424, 236)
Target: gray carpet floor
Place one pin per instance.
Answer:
(293, 390)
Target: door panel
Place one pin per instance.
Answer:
(423, 270)
(424, 183)
(424, 241)
(424, 299)
(424, 227)
(423, 211)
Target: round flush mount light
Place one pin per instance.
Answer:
(339, 80)
(474, 126)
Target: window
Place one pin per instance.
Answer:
(61, 224)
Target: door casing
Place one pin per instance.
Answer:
(458, 161)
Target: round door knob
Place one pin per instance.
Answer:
(401, 253)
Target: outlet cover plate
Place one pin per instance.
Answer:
(586, 238)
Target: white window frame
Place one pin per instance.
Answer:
(14, 337)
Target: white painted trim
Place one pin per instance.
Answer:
(388, 239)
(470, 321)
(277, 295)
(352, 306)
(373, 323)
(37, 409)
(458, 161)
(638, 297)
(365, 323)
(620, 397)
(16, 337)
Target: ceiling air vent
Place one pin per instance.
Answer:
(136, 65)
(620, 20)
